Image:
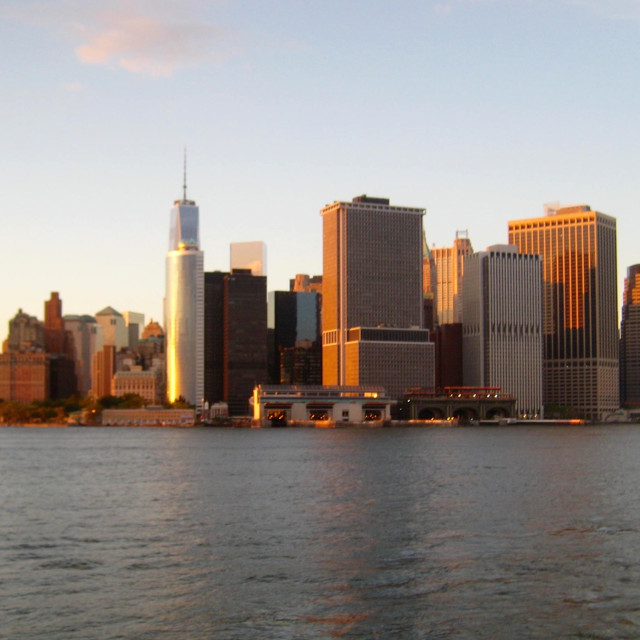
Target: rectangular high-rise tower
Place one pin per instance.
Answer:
(372, 296)
(448, 263)
(502, 325)
(579, 305)
(235, 337)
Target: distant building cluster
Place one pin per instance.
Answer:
(528, 327)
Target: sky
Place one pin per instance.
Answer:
(479, 111)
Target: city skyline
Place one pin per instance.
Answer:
(480, 112)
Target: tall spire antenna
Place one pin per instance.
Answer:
(184, 185)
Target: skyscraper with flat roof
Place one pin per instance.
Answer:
(184, 305)
(372, 296)
(235, 343)
(502, 325)
(579, 305)
(294, 329)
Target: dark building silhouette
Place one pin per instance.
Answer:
(295, 355)
(448, 341)
(62, 377)
(214, 336)
(235, 337)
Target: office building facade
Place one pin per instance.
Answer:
(294, 327)
(579, 306)
(372, 296)
(448, 264)
(502, 325)
(235, 344)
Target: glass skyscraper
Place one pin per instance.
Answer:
(184, 306)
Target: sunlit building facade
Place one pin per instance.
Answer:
(448, 264)
(579, 305)
(372, 297)
(630, 340)
(184, 306)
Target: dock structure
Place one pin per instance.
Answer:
(465, 404)
(319, 405)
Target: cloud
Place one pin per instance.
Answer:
(138, 36)
(145, 44)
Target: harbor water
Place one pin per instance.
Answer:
(474, 532)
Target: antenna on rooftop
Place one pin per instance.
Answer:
(184, 185)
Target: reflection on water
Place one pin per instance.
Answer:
(414, 533)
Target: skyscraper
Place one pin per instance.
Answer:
(184, 305)
(579, 305)
(87, 338)
(372, 296)
(502, 325)
(630, 340)
(235, 343)
(294, 327)
(449, 268)
(54, 334)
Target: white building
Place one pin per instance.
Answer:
(114, 329)
(502, 325)
(184, 305)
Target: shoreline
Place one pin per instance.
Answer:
(244, 423)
